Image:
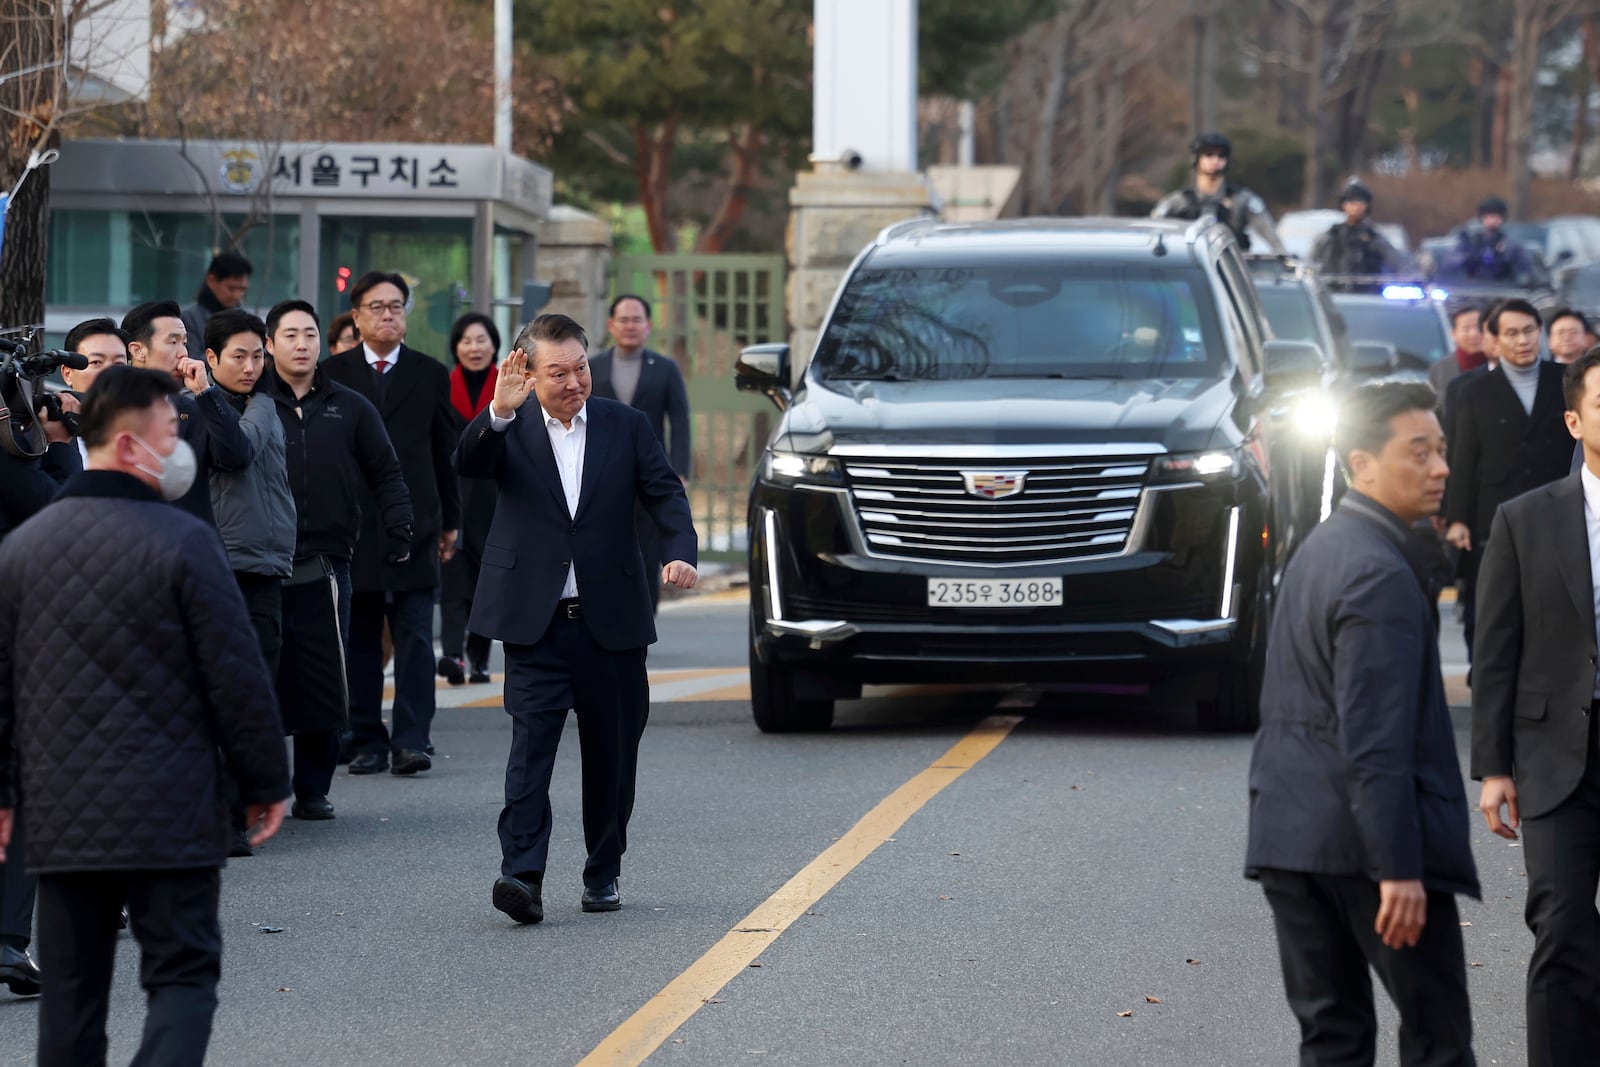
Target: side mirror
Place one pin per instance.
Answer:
(764, 369)
(1373, 359)
(1293, 364)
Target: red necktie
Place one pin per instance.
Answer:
(383, 366)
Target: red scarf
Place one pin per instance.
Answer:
(1470, 360)
(458, 392)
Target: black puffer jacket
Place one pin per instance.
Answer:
(125, 683)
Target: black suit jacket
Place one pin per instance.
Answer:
(1533, 666)
(1354, 770)
(661, 395)
(533, 540)
(415, 405)
(1498, 450)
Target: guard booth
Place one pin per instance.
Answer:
(132, 221)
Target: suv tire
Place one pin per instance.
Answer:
(773, 702)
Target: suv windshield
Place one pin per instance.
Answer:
(1289, 312)
(1023, 321)
(1414, 329)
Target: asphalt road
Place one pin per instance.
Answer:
(1072, 897)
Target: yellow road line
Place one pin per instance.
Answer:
(730, 692)
(633, 1042)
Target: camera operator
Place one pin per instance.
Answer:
(157, 341)
(337, 444)
(27, 484)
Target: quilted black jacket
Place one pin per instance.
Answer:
(124, 684)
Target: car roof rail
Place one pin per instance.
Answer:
(1196, 228)
(896, 230)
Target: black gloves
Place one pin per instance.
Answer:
(397, 545)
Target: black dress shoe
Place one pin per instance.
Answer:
(240, 848)
(450, 670)
(519, 899)
(369, 763)
(312, 808)
(410, 761)
(607, 897)
(18, 972)
(480, 674)
(347, 751)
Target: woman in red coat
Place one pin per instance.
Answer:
(475, 343)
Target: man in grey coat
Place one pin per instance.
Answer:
(123, 688)
(1358, 815)
(254, 507)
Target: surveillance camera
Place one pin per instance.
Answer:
(850, 159)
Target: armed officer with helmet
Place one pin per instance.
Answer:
(1354, 246)
(1213, 196)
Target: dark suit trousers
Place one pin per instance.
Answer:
(263, 599)
(410, 615)
(610, 693)
(17, 889)
(1326, 945)
(1562, 851)
(174, 918)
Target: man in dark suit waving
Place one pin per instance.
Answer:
(412, 392)
(563, 585)
(1535, 701)
(651, 382)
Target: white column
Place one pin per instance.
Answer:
(864, 95)
(502, 75)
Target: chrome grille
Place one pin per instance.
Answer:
(1066, 509)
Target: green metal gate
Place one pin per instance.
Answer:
(706, 308)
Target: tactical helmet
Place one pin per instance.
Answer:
(1211, 142)
(1492, 206)
(1355, 190)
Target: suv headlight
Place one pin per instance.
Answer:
(792, 468)
(1220, 465)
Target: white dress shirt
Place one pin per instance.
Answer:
(373, 357)
(569, 447)
(1591, 515)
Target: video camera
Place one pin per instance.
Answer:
(22, 395)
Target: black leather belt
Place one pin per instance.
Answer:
(569, 608)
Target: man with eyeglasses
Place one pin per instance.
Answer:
(412, 392)
(1508, 435)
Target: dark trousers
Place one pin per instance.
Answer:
(263, 600)
(610, 693)
(410, 615)
(1562, 851)
(311, 683)
(17, 890)
(173, 915)
(1326, 944)
(455, 640)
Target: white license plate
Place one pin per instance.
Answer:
(994, 592)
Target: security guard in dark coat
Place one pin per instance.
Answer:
(1358, 818)
(1354, 246)
(337, 453)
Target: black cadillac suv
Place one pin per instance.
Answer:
(1040, 450)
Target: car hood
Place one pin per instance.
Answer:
(1180, 414)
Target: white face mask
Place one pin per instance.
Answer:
(176, 475)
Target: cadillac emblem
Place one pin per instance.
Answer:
(993, 485)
